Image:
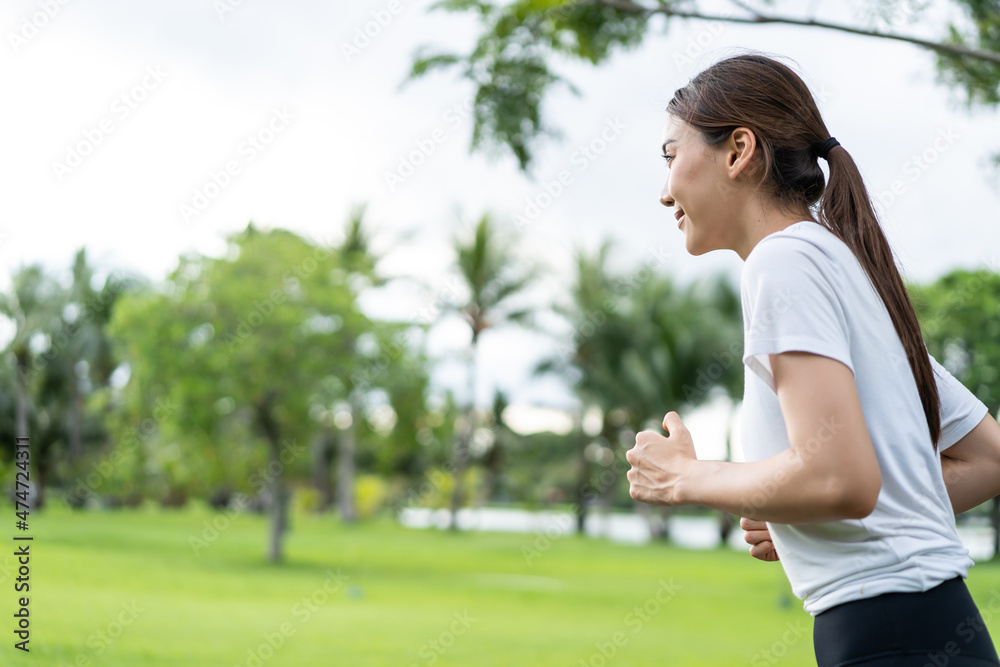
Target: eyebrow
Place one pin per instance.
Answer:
(668, 141)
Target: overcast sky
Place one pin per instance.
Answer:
(146, 130)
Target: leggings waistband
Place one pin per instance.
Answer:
(940, 627)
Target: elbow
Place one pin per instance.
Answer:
(856, 498)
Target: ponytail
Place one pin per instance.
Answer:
(847, 211)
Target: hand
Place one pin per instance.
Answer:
(759, 537)
(659, 463)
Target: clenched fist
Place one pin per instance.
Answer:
(759, 539)
(659, 464)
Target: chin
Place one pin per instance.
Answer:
(693, 249)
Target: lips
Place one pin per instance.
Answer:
(680, 217)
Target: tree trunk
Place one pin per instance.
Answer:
(279, 511)
(582, 484)
(76, 418)
(661, 520)
(459, 465)
(322, 449)
(41, 476)
(606, 489)
(21, 364)
(276, 488)
(726, 520)
(461, 458)
(346, 467)
(35, 500)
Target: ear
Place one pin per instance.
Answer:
(740, 148)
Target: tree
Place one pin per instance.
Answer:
(89, 347)
(960, 319)
(642, 346)
(358, 264)
(34, 303)
(509, 65)
(242, 345)
(589, 359)
(494, 279)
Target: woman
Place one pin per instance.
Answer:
(860, 447)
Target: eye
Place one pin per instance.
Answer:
(668, 158)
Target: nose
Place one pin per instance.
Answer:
(665, 197)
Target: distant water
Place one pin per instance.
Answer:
(692, 532)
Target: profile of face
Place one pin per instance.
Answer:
(702, 186)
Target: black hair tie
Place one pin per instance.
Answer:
(826, 146)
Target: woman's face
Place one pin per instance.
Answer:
(698, 188)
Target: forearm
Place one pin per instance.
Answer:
(969, 483)
(782, 489)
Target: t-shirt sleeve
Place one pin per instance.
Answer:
(791, 302)
(960, 410)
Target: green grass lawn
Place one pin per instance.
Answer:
(126, 588)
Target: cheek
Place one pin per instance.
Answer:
(680, 182)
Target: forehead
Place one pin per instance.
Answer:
(677, 130)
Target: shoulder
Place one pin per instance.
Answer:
(803, 248)
(797, 242)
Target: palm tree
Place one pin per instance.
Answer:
(34, 303)
(494, 280)
(590, 359)
(88, 342)
(680, 341)
(358, 262)
(644, 346)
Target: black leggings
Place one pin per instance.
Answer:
(940, 627)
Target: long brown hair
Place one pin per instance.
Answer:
(770, 99)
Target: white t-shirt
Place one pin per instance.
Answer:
(803, 289)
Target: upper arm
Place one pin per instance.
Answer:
(961, 411)
(980, 446)
(826, 427)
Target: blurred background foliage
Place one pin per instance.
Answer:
(256, 377)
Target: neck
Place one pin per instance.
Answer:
(764, 221)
